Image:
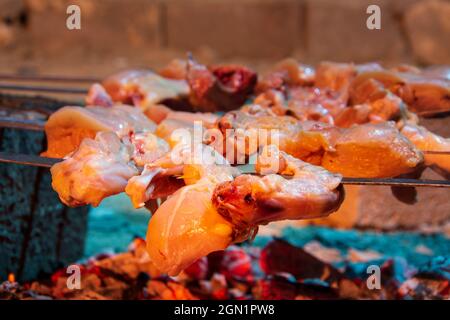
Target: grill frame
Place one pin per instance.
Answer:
(38, 234)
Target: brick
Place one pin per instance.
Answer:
(428, 27)
(11, 21)
(107, 27)
(238, 28)
(336, 30)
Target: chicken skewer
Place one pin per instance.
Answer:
(123, 83)
(369, 150)
(216, 205)
(44, 162)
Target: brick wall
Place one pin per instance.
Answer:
(118, 33)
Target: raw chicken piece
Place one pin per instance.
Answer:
(180, 125)
(67, 127)
(250, 200)
(186, 226)
(439, 72)
(97, 96)
(154, 182)
(172, 171)
(207, 119)
(157, 112)
(158, 179)
(102, 167)
(175, 69)
(372, 151)
(425, 140)
(167, 127)
(244, 133)
(336, 77)
(381, 104)
(302, 103)
(144, 88)
(423, 93)
(316, 104)
(147, 148)
(213, 211)
(97, 169)
(285, 74)
(367, 150)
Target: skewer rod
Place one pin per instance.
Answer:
(43, 89)
(37, 161)
(26, 159)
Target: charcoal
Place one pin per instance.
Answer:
(437, 268)
(115, 277)
(281, 256)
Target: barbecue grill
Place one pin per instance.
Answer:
(43, 234)
(400, 225)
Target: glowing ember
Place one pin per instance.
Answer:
(11, 277)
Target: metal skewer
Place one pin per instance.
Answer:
(44, 162)
(28, 159)
(35, 125)
(397, 182)
(13, 87)
(436, 152)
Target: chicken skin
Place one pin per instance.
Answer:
(309, 192)
(67, 127)
(423, 93)
(101, 167)
(144, 88)
(217, 88)
(372, 151)
(425, 140)
(365, 151)
(97, 169)
(218, 207)
(186, 226)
